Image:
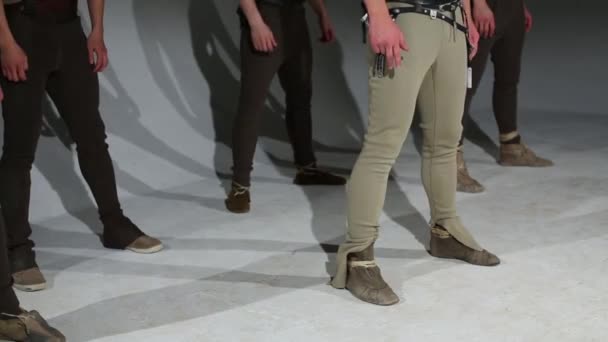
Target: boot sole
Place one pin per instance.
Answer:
(237, 210)
(151, 250)
(461, 259)
(523, 165)
(379, 304)
(468, 191)
(30, 288)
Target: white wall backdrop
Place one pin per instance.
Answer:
(170, 93)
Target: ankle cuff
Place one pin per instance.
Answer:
(365, 263)
(440, 233)
(508, 136)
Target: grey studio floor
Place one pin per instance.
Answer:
(263, 276)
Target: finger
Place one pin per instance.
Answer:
(390, 57)
(397, 55)
(268, 44)
(101, 62)
(13, 74)
(492, 27)
(26, 64)
(258, 45)
(273, 40)
(5, 72)
(486, 29)
(91, 56)
(376, 47)
(106, 61)
(21, 73)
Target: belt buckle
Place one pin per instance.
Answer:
(433, 13)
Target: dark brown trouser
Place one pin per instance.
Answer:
(58, 65)
(505, 49)
(9, 303)
(292, 60)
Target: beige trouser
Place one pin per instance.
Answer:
(434, 73)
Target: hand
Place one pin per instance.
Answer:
(473, 40)
(327, 29)
(263, 38)
(529, 20)
(484, 19)
(386, 38)
(14, 63)
(98, 54)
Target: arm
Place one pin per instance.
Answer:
(14, 60)
(98, 53)
(473, 33)
(261, 35)
(324, 22)
(528, 18)
(385, 37)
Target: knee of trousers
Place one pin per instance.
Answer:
(93, 143)
(19, 162)
(383, 147)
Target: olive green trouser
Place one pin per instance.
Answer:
(434, 72)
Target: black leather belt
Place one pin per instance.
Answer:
(433, 13)
(432, 8)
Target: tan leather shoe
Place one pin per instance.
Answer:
(466, 183)
(30, 280)
(521, 155)
(239, 199)
(444, 245)
(365, 281)
(29, 326)
(145, 245)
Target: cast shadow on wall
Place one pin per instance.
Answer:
(217, 58)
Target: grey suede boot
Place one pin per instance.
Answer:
(365, 281)
(444, 245)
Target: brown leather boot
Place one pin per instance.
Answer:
(239, 199)
(444, 245)
(29, 326)
(30, 280)
(520, 155)
(466, 183)
(365, 281)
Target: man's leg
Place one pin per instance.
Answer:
(9, 304)
(16, 324)
(22, 112)
(392, 103)
(74, 88)
(506, 56)
(466, 183)
(440, 102)
(296, 79)
(257, 71)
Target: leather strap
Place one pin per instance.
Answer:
(433, 13)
